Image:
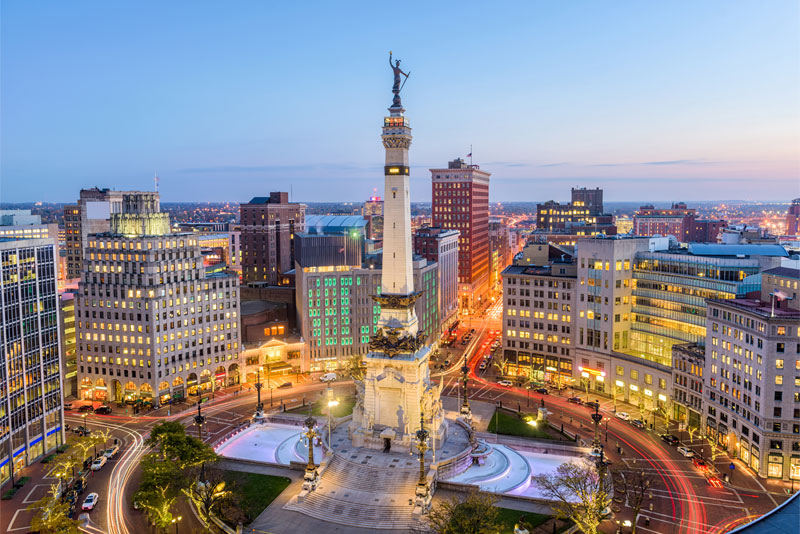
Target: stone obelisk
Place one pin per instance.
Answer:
(397, 386)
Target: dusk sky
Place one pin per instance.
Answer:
(680, 100)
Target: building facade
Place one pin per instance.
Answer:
(679, 221)
(582, 216)
(440, 246)
(753, 384)
(152, 326)
(688, 367)
(31, 400)
(793, 218)
(268, 227)
(461, 202)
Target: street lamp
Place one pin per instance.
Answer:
(199, 420)
(311, 476)
(259, 406)
(175, 521)
(422, 446)
(332, 403)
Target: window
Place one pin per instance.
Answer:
(778, 364)
(776, 444)
(778, 380)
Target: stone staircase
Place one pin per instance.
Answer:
(366, 496)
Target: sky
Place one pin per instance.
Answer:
(657, 101)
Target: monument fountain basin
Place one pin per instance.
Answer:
(269, 443)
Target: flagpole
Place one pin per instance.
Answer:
(470, 155)
(772, 313)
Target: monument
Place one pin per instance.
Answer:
(397, 396)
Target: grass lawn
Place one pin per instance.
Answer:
(320, 408)
(510, 425)
(508, 518)
(256, 491)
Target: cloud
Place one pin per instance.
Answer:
(679, 162)
(553, 164)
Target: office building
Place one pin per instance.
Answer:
(152, 326)
(688, 367)
(753, 380)
(21, 224)
(268, 227)
(678, 221)
(235, 248)
(538, 328)
(440, 246)
(336, 280)
(582, 216)
(69, 366)
(793, 218)
(461, 202)
(31, 400)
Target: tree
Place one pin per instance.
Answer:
(464, 513)
(176, 446)
(354, 367)
(501, 363)
(635, 483)
(692, 430)
(52, 515)
(209, 495)
(579, 492)
(157, 503)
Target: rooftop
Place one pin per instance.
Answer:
(251, 307)
(759, 307)
(784, 272)
(714, 249)
(321, 224)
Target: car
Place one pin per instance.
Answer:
(670, 439)
(686, 452)
(714, 482)
(86, 408)
(447, 363)
(111, 452)
(67, 405)
(70, 497)
(99, 462)
(575, 400)
(594, 405)
(471, 330)
(81, 430)
(543, 391)
(482, 366)
(638, 423)
(80, 486)
(700, 463)
(328, 377)
(623, 415)
(504, 383)
(103, 410)
(464, 341)
(90, 502)
(285, 385)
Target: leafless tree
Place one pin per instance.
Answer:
(636, 483)
(579, 493)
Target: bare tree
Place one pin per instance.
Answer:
(501, 363)
(473, 512)
(579, 493)
(636, 483)
(354, 367)
(209, 495)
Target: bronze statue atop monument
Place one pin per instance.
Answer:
(398, 82)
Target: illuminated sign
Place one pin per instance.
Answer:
(593, 372)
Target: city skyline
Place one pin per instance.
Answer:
(641, 101)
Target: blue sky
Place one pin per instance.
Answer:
(229, 100)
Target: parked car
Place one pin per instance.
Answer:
(594, 405)
(80, 486)
(99, 462)
(670, 439)
(103, 410)
(686, 452)
(700, 463)
(328, 377)
(575, 400)
(81, 430)
(623, 415)
(482, 366)
(504, 383)
(111, 452)
(638, 423)
(86, 408)
(67, 405)
(285, 385)
(90, 502)
(543, 391)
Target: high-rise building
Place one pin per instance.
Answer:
(582, 216)
(461, 202)
(69, 364)
(268, 227)
(373, 212)
(152, 326)
(31, 400)
(335, 283)
(752, 368)
(688, 368)
(441, 246)
(91, 215)
(793, 218)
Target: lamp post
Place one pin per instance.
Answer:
(259, 406)
(310, 477)
(422, 446)
(175, 521)
(332, 403)
(597, 418)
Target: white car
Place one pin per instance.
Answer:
(686, 451)
(110, 453)
(328, 377)
(90, 502)
(504, 383)
(624, 416)
(98, 463)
